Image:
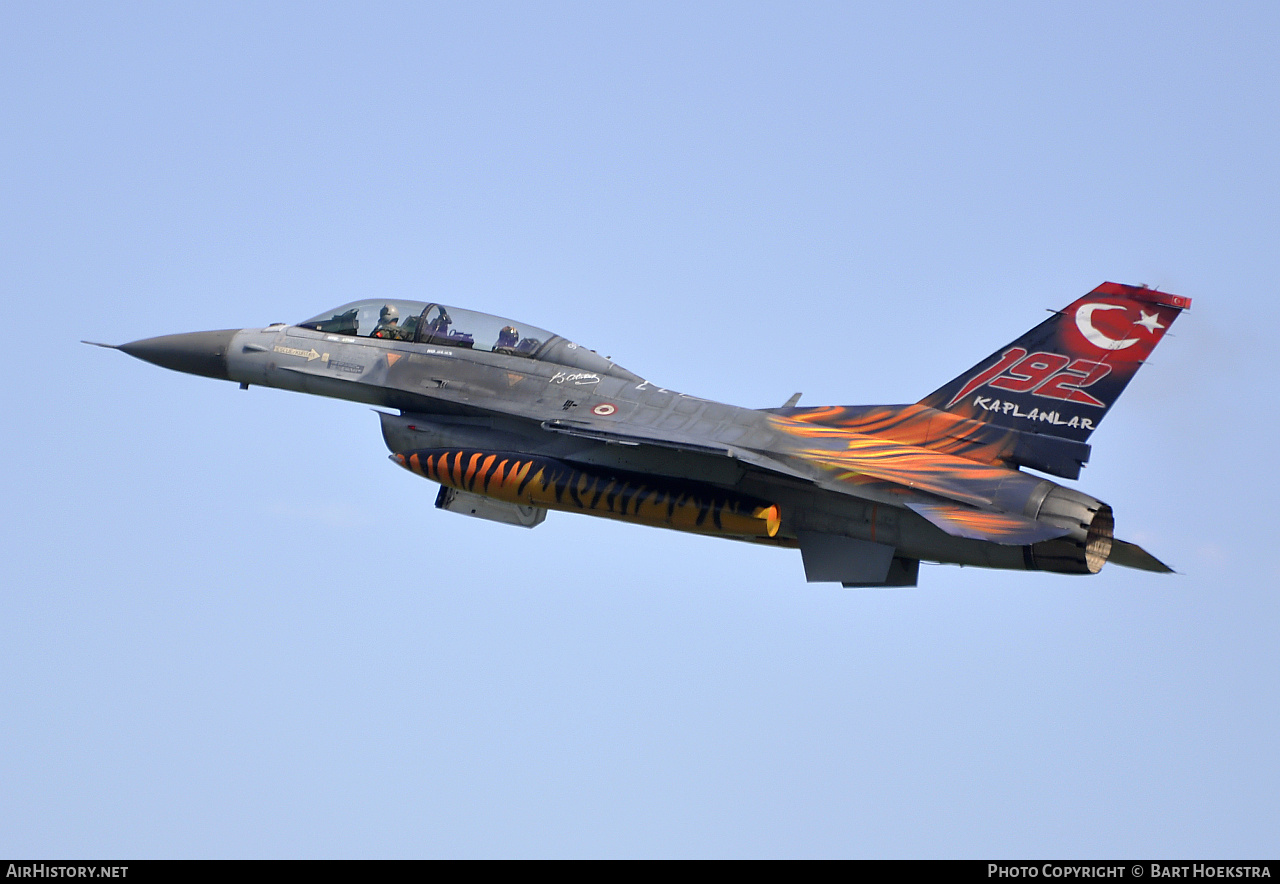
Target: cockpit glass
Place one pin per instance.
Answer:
(396, 320)
(418, 322)
(455, 327)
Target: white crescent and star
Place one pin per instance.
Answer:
(1149, 321)
(1084, 322)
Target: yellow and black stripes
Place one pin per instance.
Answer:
(541, 481)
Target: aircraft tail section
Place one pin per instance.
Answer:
(1130, 555)
(1060, 378)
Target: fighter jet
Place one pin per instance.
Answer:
(512, 421)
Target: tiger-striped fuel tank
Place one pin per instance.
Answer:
(545, 482)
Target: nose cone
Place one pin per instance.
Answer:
(202, 353)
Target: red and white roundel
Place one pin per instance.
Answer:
(604, 409)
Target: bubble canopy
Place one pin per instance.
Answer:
(420, 322)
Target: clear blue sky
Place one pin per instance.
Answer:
(221, 633)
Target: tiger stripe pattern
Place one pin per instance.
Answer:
(541, 481)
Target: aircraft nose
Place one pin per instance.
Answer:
(203, 353)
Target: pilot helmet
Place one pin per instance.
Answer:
(508, 336)
(388, 313)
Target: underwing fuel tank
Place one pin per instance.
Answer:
(526, 480)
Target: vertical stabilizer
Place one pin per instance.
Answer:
(1062, 377)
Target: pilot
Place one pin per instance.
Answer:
(507, 338)
(386, 327)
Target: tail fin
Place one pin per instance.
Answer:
(1061, 378)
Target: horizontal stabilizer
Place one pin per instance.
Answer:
(1011, 530)
(1130, 555)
